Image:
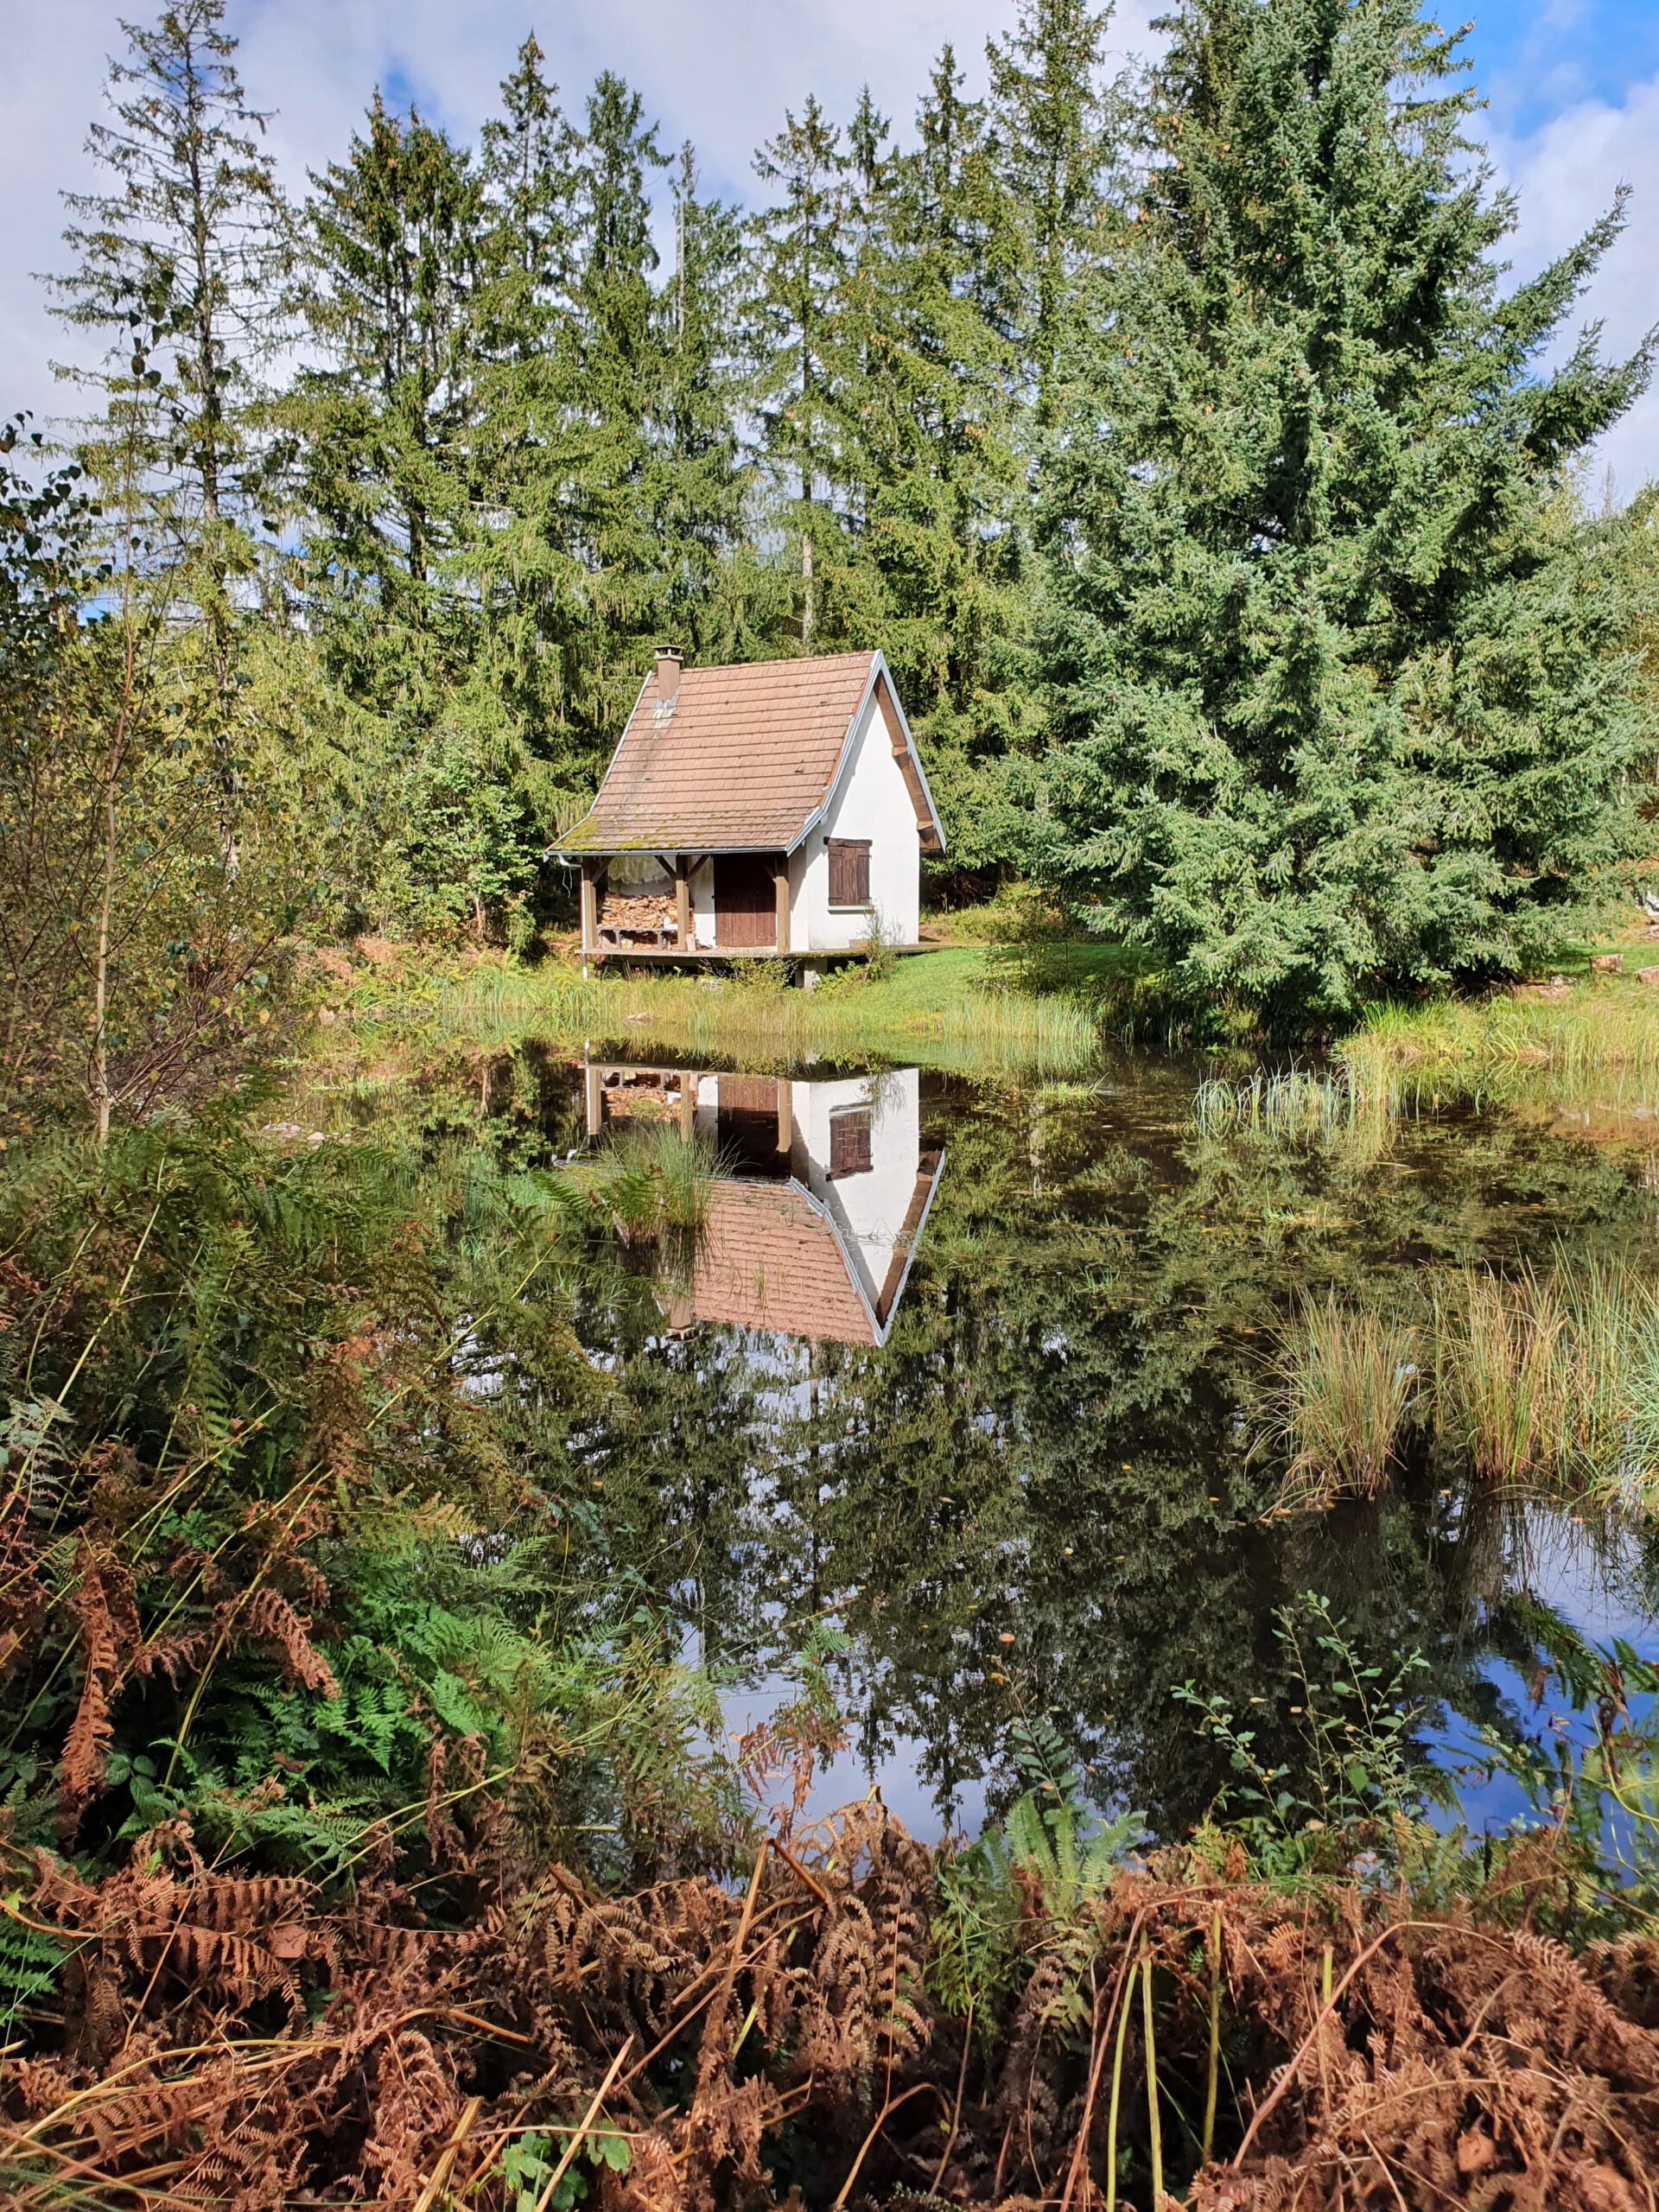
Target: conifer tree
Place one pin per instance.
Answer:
(524, 163)
(617, 373)
(1338, 671)
(800, 273)
(393, 242)
(177, 269)
(1054, 133)
(714, 600)
(940, 420)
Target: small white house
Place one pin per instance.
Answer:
(764, 807)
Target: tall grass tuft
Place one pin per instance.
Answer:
(1346, 1387)
(1551, 1378)
(935, 1008)
(1501, 1372)
(1594, 1043)
(1292, 1105)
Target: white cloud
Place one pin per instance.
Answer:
(1566, 174)
(720, 72)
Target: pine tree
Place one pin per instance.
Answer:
(799, 277)
(1055, 139)
(178, 269)
(1337, 670)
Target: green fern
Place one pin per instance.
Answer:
(30, 1957)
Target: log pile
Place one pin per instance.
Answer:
(646, 919)
(648, 910)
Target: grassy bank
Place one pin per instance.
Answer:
(947, 1008)
(1593, 1039)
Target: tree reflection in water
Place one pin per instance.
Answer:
(1026, 1482)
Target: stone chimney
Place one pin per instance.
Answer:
(668, 658)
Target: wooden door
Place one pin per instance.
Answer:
(746, 1122)
(746, 902)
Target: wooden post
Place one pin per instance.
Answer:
(785, 1112)
(593, 1100)
(780, 886)
(589, 908)
(682, 902)
(687, 1104)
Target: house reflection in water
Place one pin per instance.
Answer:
(821, 1193)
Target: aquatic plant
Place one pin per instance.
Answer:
(1588, 1044)
(1551, 1377)
(1294, 1103)
(1346, 1384)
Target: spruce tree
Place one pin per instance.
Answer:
(617, 374)
(713, 597)
(797, 288)
(393, 244)
(177, 269)
(1054, 126)
(1337, 670)
(524, 164)
(383, 431)
(940, 428)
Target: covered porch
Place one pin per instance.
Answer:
(682, 906)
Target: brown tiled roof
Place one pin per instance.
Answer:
(744, 759)
(768, 1258)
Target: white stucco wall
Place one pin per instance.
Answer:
(869, 1209)
(702, 903)
(871, 800)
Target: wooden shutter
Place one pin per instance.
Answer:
(849, 871)
(849, 1142)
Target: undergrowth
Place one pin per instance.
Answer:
(1333, 2000)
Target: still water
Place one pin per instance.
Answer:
(975, 1373)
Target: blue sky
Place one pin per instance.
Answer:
(1572, 86)
(1536, 58)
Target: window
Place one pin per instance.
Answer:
(849, 871)
(849, 1142)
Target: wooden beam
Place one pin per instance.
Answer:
(589, 907)
(906, 759)
(683, 903)
(780, 886)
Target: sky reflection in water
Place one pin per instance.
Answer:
(976, 1373)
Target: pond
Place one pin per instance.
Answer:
(974, 1372)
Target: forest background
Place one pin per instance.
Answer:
(1182, 443)
(1173, 434)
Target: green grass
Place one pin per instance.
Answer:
(948, 1008)
(1346, 1380)
(1600, 1037)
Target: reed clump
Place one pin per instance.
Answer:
(1293, 1103)
(1346, 1384)
(1551, 1378)
(1526, 1379)
(1588, 1042)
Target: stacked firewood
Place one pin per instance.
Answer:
(647, 911)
